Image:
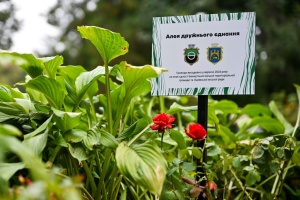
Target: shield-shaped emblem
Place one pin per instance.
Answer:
(191, 54)
(214, 54)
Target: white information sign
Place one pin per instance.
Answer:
(206, 54)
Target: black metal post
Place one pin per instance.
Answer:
(202, 119)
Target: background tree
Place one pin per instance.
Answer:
(278, 33)
(8, 25)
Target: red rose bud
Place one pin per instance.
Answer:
(196, 132)
(162, 121)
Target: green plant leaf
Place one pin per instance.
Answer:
(257, 152)
(13, 92)
(212, 117)
(92, 138)
(196, 152)
(296, 155)
(253, 110)
(13, 108)
(287, 126)
(50, 88)
(75, 135)
(86, 80)
(109, 44)
(9, 169)
(252, 177)
(39, 129)
(31, 65)
(213, 149)
(31, 161)
(52, 64)
(37, 143)
(298, 116)
(7, 129)
(5, 94)
(175, 108)
(78, 152)
(178, 138)
(136, 82)
(226, 107)
(108, 139)
(236, 162)
(143, 164)
(66, 120)
(187, 166)
(267, 123)
(135, 128)
(224, 137)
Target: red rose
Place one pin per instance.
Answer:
(196, 132)
(162, 121)
(212, 185)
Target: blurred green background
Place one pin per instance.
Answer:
(277, 37)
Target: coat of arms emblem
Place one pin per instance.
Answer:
(191, 54)
(214, 53)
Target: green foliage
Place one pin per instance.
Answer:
(142, 163)
(64, 127)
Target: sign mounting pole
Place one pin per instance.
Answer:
(202, 119)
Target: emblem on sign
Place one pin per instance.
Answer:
(191, 54)
(214, 53)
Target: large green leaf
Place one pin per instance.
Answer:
(86, 79)
(37, 143)
(31, 65)
(8, 169)
(32, 162)
(109, 44)
(135, 128)
(5, 94)
(12, 110)
(108, 139)
(40, 129)
(287, 126)
(253, 110)
(50, 88)
(6, 129)
(143, 164)
(269, 124)
(78, 152)
(52, 64)
(226, 107)
(70, 73)
(92, 138)
(175, 108)
(224, 137)
(298, 116)
(178, 138)
(136, 82)
(66, 120)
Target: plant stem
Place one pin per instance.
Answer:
(90, 177)
(101, 186)
(53, 156)
(240, 183)
(138, 135)
(179, 121)
(278, 184)
(162, 104)
(109, 109)
(149, 108)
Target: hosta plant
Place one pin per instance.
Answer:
(61, 137)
